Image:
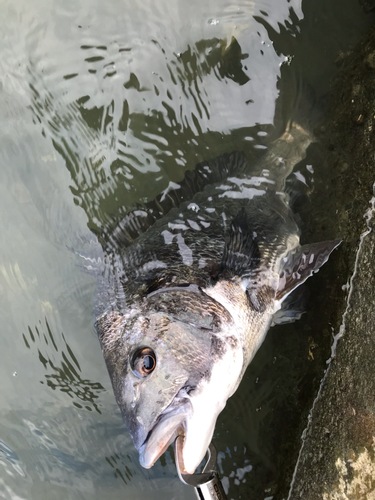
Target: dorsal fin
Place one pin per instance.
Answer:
(122, 233)
(242, 259)
(241, 252)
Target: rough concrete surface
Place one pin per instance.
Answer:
(337, 458)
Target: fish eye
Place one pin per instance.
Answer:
(143, 362)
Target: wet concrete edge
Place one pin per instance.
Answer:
(337, 457)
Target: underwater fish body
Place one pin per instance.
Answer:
(193, 281)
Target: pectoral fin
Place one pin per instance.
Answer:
(301, 263)
(291, 308)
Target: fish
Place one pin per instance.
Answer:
(192, 282)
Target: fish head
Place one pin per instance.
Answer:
(172, 374)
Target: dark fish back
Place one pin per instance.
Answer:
(123, 233)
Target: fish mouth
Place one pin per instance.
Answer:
(180, 418)
(169, 424)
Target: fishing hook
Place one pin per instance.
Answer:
(207, 483)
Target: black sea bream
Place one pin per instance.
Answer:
(195, 278)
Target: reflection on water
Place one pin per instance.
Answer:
(103, 106)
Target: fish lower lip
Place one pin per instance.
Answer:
(163, 433)
(178, 450)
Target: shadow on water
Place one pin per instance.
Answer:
(122, 144)
(105, 182)
(64, 374)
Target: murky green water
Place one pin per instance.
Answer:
(101, 105)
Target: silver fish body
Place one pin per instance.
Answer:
(194, 281)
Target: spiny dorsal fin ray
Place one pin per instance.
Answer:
(242, 259)
(241, 252)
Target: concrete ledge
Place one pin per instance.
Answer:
(337, 458)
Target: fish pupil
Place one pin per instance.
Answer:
(143, 362)
(148, 363)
